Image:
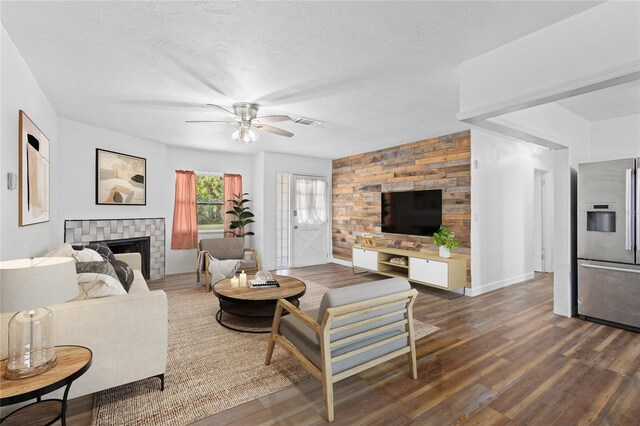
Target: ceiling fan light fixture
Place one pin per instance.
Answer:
(247, 122)
(245, 133)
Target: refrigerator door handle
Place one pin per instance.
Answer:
(629, 222)
(610, 268)
(637, 212)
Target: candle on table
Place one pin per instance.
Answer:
(234, 281)
(243, 279)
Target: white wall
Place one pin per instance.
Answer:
(77, 179)
(78, 143)
(615, 138)
(603, 39)
(555, 123)
(20, 91)
(502, 208)
(269, 164)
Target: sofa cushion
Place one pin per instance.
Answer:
(224, 248)
(97, 279)
(124, 273)
(139, 285)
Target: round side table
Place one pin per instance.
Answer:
(73, 362)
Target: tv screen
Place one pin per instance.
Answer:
(412, 212)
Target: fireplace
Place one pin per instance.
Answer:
(114, 231)
(132, 245)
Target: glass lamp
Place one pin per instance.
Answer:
(27, 285)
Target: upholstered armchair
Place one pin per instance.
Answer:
(355, 328)
(225, 249)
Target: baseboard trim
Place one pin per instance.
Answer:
(477, 291)
(341, 262)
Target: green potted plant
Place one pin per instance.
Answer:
(446, 241)
(242, 215)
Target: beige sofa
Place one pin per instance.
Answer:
(127, 334)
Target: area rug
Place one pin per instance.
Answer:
(209, 367)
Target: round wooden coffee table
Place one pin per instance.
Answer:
(255, 302)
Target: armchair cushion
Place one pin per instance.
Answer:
(224, 248)
(303, 338)
(248, 264)
(360, 292)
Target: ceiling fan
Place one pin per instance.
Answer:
(245, 118)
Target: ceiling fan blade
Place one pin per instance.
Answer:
(226, 111)
(275, 130)
(209, 121)
(273, 118)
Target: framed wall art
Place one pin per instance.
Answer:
(121, 179)
(33, 165)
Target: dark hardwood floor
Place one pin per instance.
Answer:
(500, 358)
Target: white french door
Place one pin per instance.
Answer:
(309, 220)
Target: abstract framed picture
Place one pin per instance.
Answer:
(121, 179)
(33, 166)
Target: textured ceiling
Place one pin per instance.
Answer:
(377, 73)
(611, 102)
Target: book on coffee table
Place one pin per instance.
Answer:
(263, 284)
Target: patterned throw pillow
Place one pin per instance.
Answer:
(97, 279)
(124, 273)
(63, 250)
(86, 255)
(103, 250)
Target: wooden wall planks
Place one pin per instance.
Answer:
(437, 163)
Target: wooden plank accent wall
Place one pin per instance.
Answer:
(437, 163)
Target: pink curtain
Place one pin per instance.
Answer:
(232, 187)
(184, 234)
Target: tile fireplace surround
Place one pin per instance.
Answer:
(86, 230)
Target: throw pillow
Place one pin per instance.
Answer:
(87, 255)
(103, 250)
(124, 273)
(63, 250)
(97, 279)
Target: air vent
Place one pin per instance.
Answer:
(307, 121)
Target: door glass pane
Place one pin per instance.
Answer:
(283, 224)
(311, 201)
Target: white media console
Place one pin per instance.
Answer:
(421, 268)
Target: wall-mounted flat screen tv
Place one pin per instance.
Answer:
(412, 212)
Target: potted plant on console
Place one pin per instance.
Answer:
(446, 241)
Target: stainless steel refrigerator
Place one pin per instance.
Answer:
(609, 241)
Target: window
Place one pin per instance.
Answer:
(210, 202)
